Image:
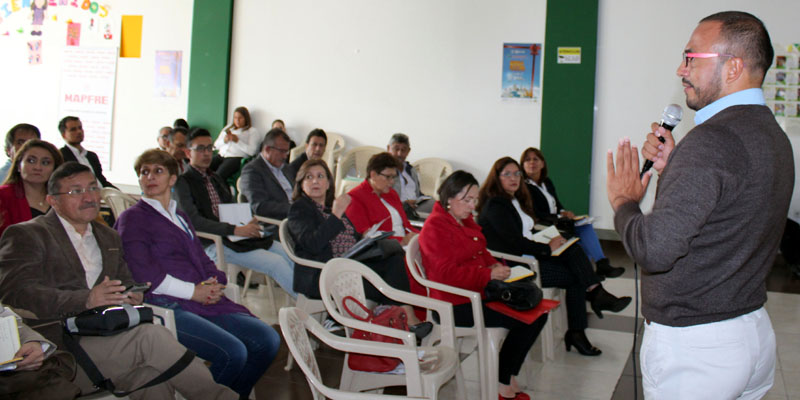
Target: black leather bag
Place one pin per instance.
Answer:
(245, 245)
(108, 320)
(520, 295)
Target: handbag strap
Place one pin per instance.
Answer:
(352, 314)
(104, 383)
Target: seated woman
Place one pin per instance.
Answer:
(507, 220)
(236, 141)
(321, 232)
(161, 247)
(546, 207)
(22, 195)
(454, 253)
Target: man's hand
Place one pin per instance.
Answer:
(500, 272)
(340, 205)
(411, 202)
(407, 238)
(656, 151)
(32, 356)
(251, 230)
(107, 292)
(623, 184)
(208, 291)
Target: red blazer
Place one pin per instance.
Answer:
(455, 255)
(366, 209)
(13, 205)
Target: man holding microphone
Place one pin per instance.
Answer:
(721, 203)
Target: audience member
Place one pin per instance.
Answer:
(266, 181)
(235, 142)
(506, 216)
(321, 232)
(71, 130)
(454, 253)
(22, 195)
(161, 247)
(407, 183)
(177, 148)
(163, 137)
(180, 123)
(316, 141)
(199, 192)
(547, 209)
(15, 138)
(64, 263)
(278, 124)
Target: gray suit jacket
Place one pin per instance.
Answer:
(41, 275)
(398, 182)
(262, 189)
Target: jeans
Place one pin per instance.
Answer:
(240, 347)
(274, 263)
(589, 242)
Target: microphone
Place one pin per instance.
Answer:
(669, 120)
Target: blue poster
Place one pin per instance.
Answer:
(522, 64)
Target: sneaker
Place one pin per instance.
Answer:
(332, 326)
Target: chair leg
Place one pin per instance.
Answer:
(248, 275)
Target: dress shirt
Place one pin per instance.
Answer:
(88, 251)
(171, 285)
(80, 155)
(551, 201)
(753, 96)
(408, 188)
(527, 221)
(278, 173)
(397, 220)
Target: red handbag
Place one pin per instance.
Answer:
(392, 317)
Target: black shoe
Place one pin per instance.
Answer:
(604, 301)
(605, 269)
(581, 343)
(240, 278)
(421, 329)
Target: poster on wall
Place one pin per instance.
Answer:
(88, 76)
(521, 71)
(782, 87)
(168, 73)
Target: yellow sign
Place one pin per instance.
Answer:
(569, 55)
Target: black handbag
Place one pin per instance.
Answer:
(520, 295)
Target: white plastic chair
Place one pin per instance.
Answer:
(489, 340)
(432, 172)
(342, 277)
(295, 325)
(355, 159)
(333, 149)
(116, 200)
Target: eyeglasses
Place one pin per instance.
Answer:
(388, 177)
(515, 174)
(688, 57)
(80, 192)
(200, 149)
(282, 151)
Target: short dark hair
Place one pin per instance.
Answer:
(159, 157)
(318, 133)
(272, 135)
(381, 161)
(301, 176)
(14, 174)
(180, 122)
(196, 133)
(176, 131)
(453, 185)
(66, 170)
(401, 138)
(745, 36)
(12, 133)
(62, 125)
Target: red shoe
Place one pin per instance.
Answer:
(519, 396)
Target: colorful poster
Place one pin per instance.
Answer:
(35, 52)
(73, 34)
(521, 70)
(168, 73)
(87, 91)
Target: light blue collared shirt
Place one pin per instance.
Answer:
(754, 96)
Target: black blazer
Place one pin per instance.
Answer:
(261, 188)
(94, 161)
(192, 196)
(502, 228)
(296, 164)
(312, 234)
(540, 205)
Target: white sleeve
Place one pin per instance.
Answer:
(175, 287)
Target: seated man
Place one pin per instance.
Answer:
(163, 137)
(63, 263)
(267, 180)
(176, 146)
(407, 183)
(71, 130)
(15, 138)
(199, 192)
(316, 141)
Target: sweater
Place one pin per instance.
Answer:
(713, 233)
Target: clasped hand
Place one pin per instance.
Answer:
(208, 292)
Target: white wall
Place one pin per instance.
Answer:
(367, 69)
(31, 91)
(639, 49)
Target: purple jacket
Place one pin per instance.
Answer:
(154, 247)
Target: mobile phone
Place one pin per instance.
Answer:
(136, 287)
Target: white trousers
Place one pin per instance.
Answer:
(731, 359)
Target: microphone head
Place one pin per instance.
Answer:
(672, 115)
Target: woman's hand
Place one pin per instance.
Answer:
(556, 242)
(500, 272)
(407, 238)
(568, 214)
(340, 205)
(228, 136)
(208, 291)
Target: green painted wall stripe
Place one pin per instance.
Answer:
(568, 100)
(209, 69)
